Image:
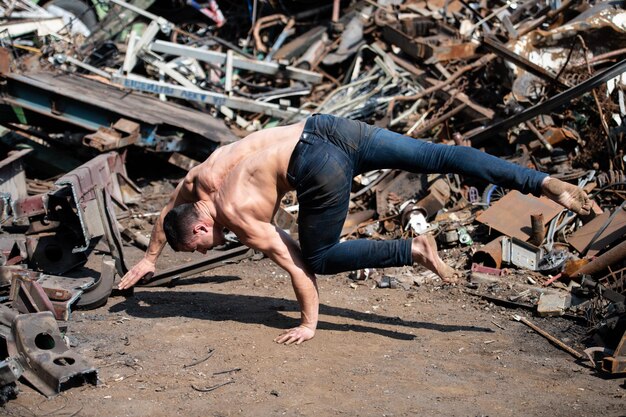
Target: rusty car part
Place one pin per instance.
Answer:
(98, 294)
(63, 222)
(33, 291)
(36, 342)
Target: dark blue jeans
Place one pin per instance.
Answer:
(333, 150)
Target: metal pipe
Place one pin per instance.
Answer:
(610, 257)
(336, 6)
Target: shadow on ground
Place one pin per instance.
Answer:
(264, 310)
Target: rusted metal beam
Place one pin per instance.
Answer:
(477, 137)
(501, 50)
(212, 261)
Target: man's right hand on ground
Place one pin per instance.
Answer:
(137, 272)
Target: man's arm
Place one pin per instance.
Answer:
(283, 250)
(182, 194)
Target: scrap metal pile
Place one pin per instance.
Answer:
(87, 86)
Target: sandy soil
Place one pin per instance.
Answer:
(429, 350)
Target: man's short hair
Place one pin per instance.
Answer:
(178, 225)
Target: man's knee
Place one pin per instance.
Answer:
(315, 264)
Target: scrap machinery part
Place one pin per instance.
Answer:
(35, 341)
(33, 292)
(63, 222)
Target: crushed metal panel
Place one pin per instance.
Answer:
(581, 238)
(511, 214)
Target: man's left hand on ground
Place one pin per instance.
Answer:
(296, 335)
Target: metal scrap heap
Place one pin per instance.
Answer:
(86, 87)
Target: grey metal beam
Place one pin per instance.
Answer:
(270, 68)
(134, 82)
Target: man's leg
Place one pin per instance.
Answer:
(386, 149)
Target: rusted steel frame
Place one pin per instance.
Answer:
(602, 262)
(433, 123)
(212, 261)
(550, 104)
(492, 44)
(457, 74)
(29, 295)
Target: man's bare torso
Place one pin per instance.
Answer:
(248, 177)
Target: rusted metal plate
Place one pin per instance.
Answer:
(449, 51)
(511, 214)
(613, 232)
(5, 59)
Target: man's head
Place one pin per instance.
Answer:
(188, 230)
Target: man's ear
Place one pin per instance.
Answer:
(200, 228)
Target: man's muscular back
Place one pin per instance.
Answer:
(248, 177)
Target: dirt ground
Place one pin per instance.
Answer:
(429, 351)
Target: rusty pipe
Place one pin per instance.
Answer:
(336, 6)
(491, 254)
(263, 23)
(602, 262)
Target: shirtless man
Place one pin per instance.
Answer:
(240, 186)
